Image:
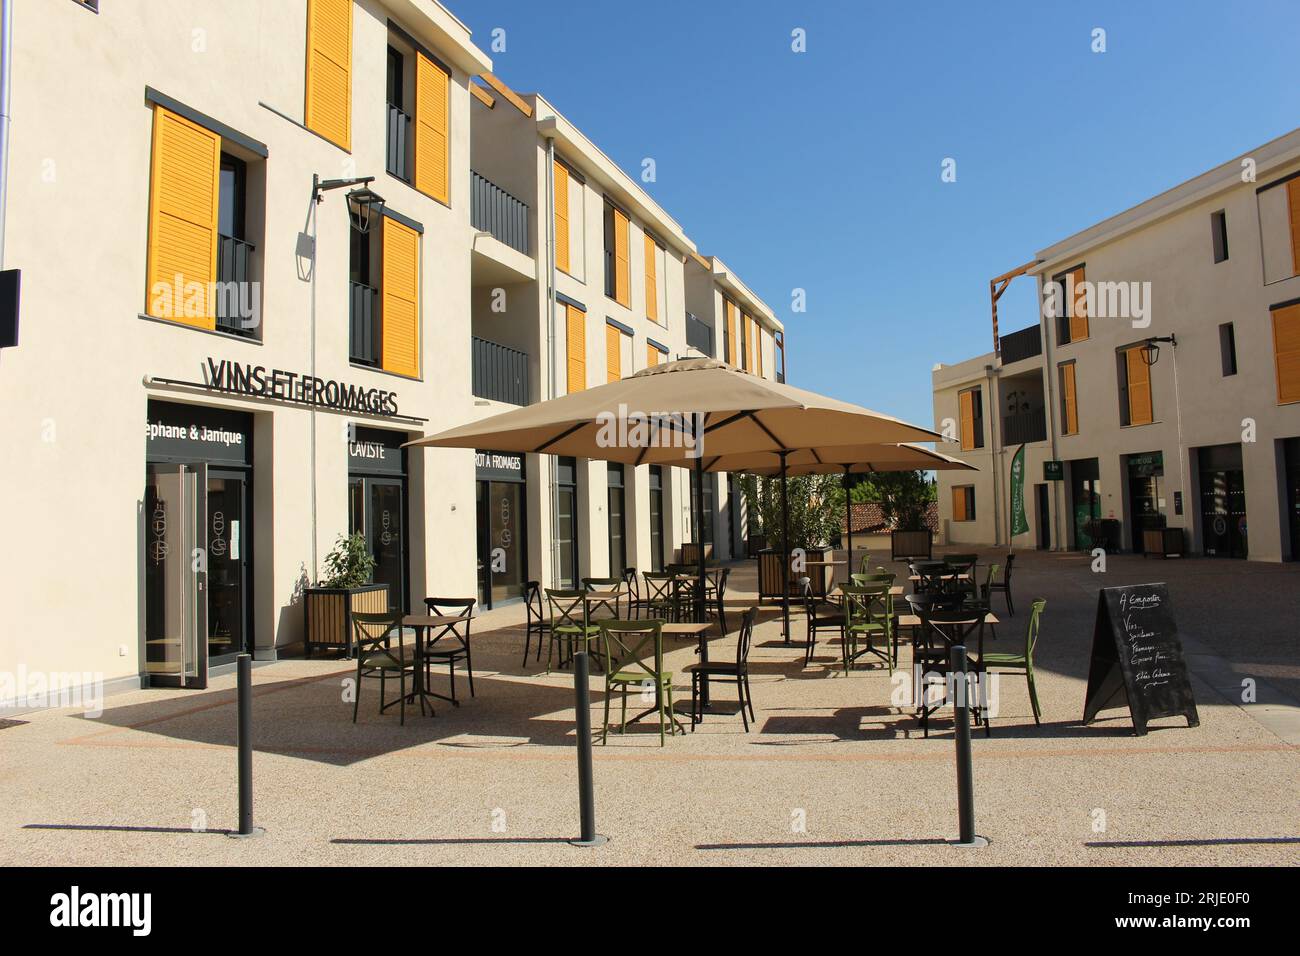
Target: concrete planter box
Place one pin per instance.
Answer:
(691, 556)
(327, 615)
(770, 567)
(1166, 542)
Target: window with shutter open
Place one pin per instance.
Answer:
(651, 356)
(1286, 353)
(651, 281)
(613, 354)
(967, 413)
(1069, 400)
(576, 335)
(561, 217)
(400, 305)
(183, 209)
(622, 263)
(1293, 212)
(1078, 309)
(432, 89)
(959, 503)
(328, 109)
(730, 311)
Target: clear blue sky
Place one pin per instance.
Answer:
(821, 170)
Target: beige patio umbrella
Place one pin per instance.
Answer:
(687, 413)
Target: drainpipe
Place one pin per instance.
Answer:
(1050, 380)
(6, 61)
(550, 346)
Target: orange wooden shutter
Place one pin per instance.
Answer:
(1293, 209)
(651, 356)
(328, 108)
(1078, 309)
(1286, 353)
(432, 86)
(1069, 395)
(732, 341)
(959, 503)
(183, 203)
(400, 291)
(967, 405)
(651, 281)
(758, 348)
(613, 354)
(561, 217)
(622, 265)
(1139, 388)
(576, 334)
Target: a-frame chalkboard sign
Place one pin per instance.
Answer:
(1137, 659)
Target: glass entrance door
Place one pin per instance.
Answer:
(175, 561)
(377, 509)
(503, 518)
(228, 577)
(1223, 513)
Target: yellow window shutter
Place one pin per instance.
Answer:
(561, 217)
(1139, 388)
(967, 404)
(622, 267)
(732, 341)
(1070, 395)
(651, 356)
(758, 348)
(432, 88)
(959, 503)
(576, 334)
(329, 70)
(185, 177)
(1286, 353)
(1293, 208)
(613, 354)
(1078, 309)
(400, 294)
(651, 281)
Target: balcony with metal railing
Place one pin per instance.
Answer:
(399, 143)
(498, 373)
(699, 335)
(495, 211)
(363, 324)
(234, 303)
(1023, 344)
(1024, 427)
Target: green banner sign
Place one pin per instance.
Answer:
(1019, 523)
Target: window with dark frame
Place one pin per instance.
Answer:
(1062, 314)
(1228, 349)
(363, 301)
(234, 252)
(611, 282)
(1219, 233)
(398, 120)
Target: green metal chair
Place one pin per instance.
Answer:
(1011, 663)
(569, 624)
(869, 614)
(378, 658)
(628, 644)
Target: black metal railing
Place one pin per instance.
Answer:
(498, 373)
(363, 324)
(1022, 345)
(399, 142)
(1024, 427)
(235, 302)
(494, 210)
(699, 335)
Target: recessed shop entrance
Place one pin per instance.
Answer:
(198, 541)
(1223, 501)
(377, 506)
(502, 523)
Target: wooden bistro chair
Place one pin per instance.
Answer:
(379, 656)
(724, 670)
(1022, 663)
(822, 613)
(634, 651)
(537, 621)
(451, 644)
(569, 625)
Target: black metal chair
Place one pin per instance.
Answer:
(941, 630)
(632, 588)
(600, 607)
(537, 621)
(660, 601)
(967, 564)
(725, 670)
(822, 613)
(716, 595)
(1004, 585)
(378, 658)
(456, 634)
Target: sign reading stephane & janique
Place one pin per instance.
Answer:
(261, 382)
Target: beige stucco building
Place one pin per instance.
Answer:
(223, 384)
(1201, 433)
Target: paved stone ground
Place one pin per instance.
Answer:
(832, 774)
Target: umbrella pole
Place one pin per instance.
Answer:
(848, 524)
(699, 536)
(785, 548)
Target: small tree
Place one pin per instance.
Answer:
(350, 564)
(904, 497)
(816, 506)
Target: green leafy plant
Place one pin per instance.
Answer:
(350, 563)
(904, 497)
(816, 508)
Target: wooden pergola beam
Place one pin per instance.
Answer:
(998, 285)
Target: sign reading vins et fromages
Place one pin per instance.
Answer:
(1137, 658)
(260, 382)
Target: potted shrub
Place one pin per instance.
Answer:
(816, 503)
(345, 587)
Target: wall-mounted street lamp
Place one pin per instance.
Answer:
(365, 206)
(1151, 348)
